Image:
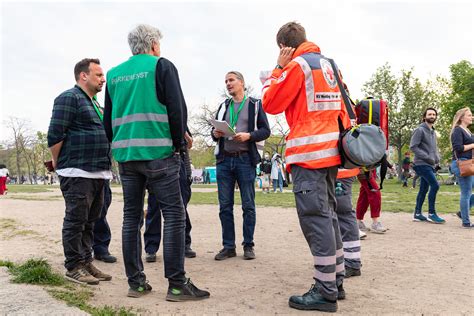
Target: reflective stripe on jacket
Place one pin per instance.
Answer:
(343, 173)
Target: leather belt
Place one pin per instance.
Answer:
(235, 154)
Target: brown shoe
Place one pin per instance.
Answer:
(81, 276)
(96, 273)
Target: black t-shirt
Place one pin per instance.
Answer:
(460, 138)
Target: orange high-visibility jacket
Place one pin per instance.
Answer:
(306, 90)
(343, 173)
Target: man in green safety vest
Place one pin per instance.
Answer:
(145, 118)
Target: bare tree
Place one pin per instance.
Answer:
(19, 129)
(279, 128)
(201, 125)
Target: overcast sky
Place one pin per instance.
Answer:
(42, 41)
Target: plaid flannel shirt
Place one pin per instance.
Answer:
(75, 121)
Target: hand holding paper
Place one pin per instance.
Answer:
(223, 127)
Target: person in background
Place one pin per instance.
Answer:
(277, 173)
(346, 217)
(266, 170)
(152, 235)
(406, 169)
(462, 141)
(369, 195)
(3, 179)
(102, 233)
(425, 163)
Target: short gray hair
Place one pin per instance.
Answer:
(141, 38)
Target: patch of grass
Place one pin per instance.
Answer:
(6, 263)
(24, 232)
(212, 186)
(395, 198)
(7, 224)
(35, 271)
(79, 296)
(28, 188)
(38, 271)
(34, 198)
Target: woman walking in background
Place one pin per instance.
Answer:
(462, 141)
(277, 173)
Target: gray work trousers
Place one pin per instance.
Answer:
(348, 225)
(315, 196)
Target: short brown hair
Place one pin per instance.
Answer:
(83, 66)
(426, 112)
(292, 34)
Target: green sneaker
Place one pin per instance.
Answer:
(140, 291)
(185, 292)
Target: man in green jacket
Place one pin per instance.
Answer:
(145, 118)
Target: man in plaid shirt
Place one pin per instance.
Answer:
(81, 156)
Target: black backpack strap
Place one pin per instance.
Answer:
(345, 97)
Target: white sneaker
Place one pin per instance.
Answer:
(377, 228)
(362, 235)
(362, 226)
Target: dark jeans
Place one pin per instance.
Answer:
(428, 181)
(152, 234)
(84, 199)
(102, 233)
(228, 171)
(161, 176)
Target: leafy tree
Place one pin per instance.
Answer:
(407, 98)
(460, 95)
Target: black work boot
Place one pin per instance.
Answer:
(341, 294)
(186, 291)
(225, 253)
(189, 253)
(350, 272)
(312, 300)
(249, 254)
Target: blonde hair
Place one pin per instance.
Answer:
(457, 120)
(459, 116)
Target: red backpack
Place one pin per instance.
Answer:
(373, 111)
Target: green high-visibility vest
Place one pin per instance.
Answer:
(140, 124)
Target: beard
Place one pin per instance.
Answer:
(430, 120)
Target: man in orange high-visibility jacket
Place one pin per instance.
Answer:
(346, 217)
(304, 86)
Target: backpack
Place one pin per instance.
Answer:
(363, 145)
(373, 111)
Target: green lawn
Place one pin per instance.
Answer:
(395, 198)
(28, 188)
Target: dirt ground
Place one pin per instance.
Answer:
(415, 268)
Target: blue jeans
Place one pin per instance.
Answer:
(102, 233)
(278, 182)
(161, 176)
(428, 180)
(152, 235)
(467, 197)
(228, 171)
